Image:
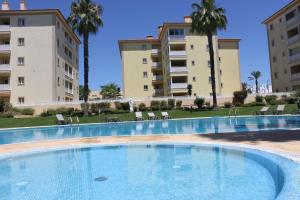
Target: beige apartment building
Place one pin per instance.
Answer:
(168, 64)
(38, 56)
(283, 30)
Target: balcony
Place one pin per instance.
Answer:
(178, 53)
(294, 58)
(179, 86)
(176, 38)
(4, 87)
(178, 69)
(295, 76)
(4, 47)
(158, 92)
(156, 66)
(293, 39)
(157, 78)
(4, 68)
(69, 75)
(292, 21)
(69, 91)
(4, 28)
(155, 52)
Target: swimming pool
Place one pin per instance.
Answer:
(173, 127)
(150, 171)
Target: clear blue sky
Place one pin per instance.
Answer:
(125, 19)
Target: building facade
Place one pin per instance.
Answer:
(38, 56)
(177, 60)
(283, 30)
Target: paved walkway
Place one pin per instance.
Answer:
(283, 142)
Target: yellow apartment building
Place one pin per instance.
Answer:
(168, 64)
(283, 29)
(38, 56)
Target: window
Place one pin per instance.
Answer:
(274, 59)
(290, 15)
(144, 47)
(21, 100)
(285, 71)
(58, 98)
(193, 63)
(221, 72)
(58, 82)
(194, 79)
(282, 37)
(192, 47)
(145, 87)
(21, 61)
(58, 43)
(145, 74)
(275, 75)
(144, 60)
(21, 81)
(283, 54)
(273, 43)
(21, 41)
(280, 20)
(220, 59)
(271, 27)
(58, 62)
(21, 22)
(221, 85)
(58, 24)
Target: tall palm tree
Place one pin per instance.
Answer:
(85, 18)
(207, 19)
(254, 76)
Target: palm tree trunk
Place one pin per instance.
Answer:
(86, 72)
(212, 69)
(256, 84)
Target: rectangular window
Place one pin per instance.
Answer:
(275, 75)
(58, 24)
(274, 59)
(273, 43)
(221, 85)
(21, 81)
(21, 61)
(221, 72)
(58, 62)
(21, 41)
(194, 79)
(21, 100)
(271, 27)
(58, 43)
(145, 87)
(145, 74)
(144, 60)
(220, 59)
(58, 82)
(193, 63)
(21, 22)
(192, 47)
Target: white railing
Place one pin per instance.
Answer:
(5, 67)
(178, 69)
(293, 39)
(178, 53)
(292, 21)
(294, 58)
(176, 37)
(155, 51)
(157, 78)
(156, 64)
(5, 87)
(295, 76)
(4, 47)
(69, 91)
(71, 76)
(179, 86)
(4, 28)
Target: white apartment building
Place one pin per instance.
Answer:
(38, 56)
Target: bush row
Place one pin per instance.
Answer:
(160, 105)
(63, 111)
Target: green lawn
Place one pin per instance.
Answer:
(45, 121)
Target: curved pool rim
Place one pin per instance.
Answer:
(290, 189)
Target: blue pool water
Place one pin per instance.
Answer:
(187, 126)
(148, 172)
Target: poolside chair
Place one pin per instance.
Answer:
(264, 110)
(165, 115)
(279, 110)
(151, 116)
(60, 119)
(139, 116)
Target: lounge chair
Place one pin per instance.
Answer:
(151, 116)
(60, 119)
(279, 110)
(165, 115)
(139, 116)
(264, 110)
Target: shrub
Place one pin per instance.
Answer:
(6, 115)
(227, 105)
(125, 106)
(94, 108)
(45, 114)
(26, 111)
(104, 105)
(155, 105)
(199, 102)
(239, 97)
(207, 104)
(77, 113)
(291, 100)
(171, 103)
(164, 105)
(259, 99)
(271, 99)
(118, 106)
(2, 103)
(142, 107)
(178, 104)
(253, 104)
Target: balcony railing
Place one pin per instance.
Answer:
(178, 69)
(5, 67)
(4, 28)
(69, 91)
(155, 51)
(294, 58)
(295, 76)
(71, 76)
(293, 39)
(292, 21)
(4, 47)
(178, 53)
(176, 37)
(5, 87)
(179, 86)
(157, 78)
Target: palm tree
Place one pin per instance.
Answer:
(255, 75)
(207, 19)
(85, 18)
(110, 91)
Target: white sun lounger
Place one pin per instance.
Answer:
(280, 110)
(264, 110)
(60, 119)
(138, 116)
(165, 115)
(151, 115)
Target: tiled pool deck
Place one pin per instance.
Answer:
(286, 143)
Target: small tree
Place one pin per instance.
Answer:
(239, 97)
(199, 102)
(110, 91)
